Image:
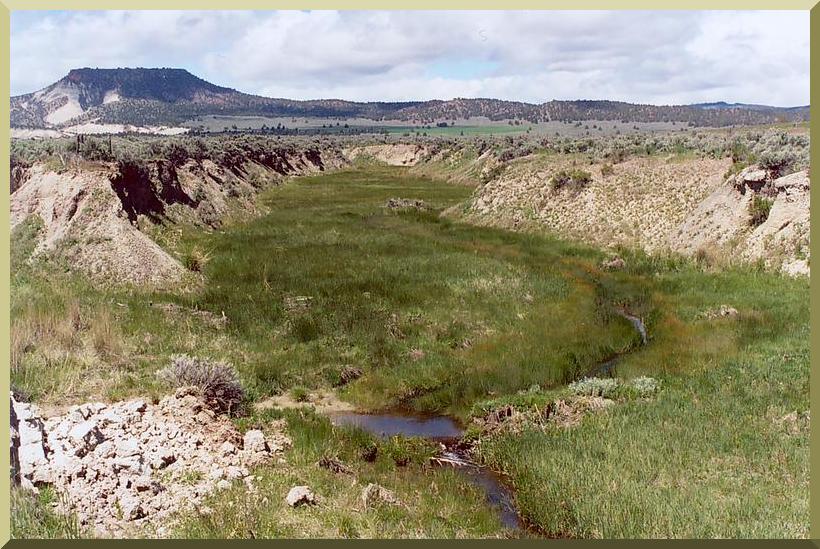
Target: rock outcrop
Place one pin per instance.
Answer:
(126, 468)
(722, 222)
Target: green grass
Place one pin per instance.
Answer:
(33, 517)
(491, 310)
(435, 502)
(328, 279)
(709, 456)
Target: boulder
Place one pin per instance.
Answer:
(374, 494)
(85, 437)
(254, 442)
(300, 495)
(131, 506)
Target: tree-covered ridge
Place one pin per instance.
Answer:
(164, 96)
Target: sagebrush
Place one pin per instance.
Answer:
(218, 382)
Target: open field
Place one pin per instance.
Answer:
(474, 126)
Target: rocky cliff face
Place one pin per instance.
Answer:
(723, 221)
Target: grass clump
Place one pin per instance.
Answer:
(33, 517)
(300, 394)
(573, 179)
(759, 209)
(195, 259)
(218, 382)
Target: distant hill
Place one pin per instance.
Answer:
(164, 96)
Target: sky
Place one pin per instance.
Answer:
(657, 57)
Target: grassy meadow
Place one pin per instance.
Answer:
(438, 316)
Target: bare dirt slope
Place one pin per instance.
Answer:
(99, 216)
(722, 221)
(641, 203)
(85, 222)
(394, 154)
(678, 204)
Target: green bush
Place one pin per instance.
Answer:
(576, 179)
(759, 209)
(595, 386)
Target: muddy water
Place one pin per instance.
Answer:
(444, 430)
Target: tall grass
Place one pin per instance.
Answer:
(709, 456)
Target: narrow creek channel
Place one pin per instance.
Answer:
(607, 367)
(446, 431)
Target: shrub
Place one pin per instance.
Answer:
(575, 178)
(95, 149)
(594, 386)
(217, 381)
(176, 154)
(759, 209)
(780, 160)
(645, 386)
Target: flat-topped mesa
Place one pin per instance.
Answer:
(167, 96)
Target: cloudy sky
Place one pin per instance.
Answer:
(649, 57)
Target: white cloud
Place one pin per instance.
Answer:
(653, 57)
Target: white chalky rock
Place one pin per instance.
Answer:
(85, 436)
(131, 506)
(300, 495)
(127, 447)
(124, 467)
(227, 449)
(254, 441)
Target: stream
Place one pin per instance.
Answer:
(447, 432)
(606, 367)
(444, 430)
